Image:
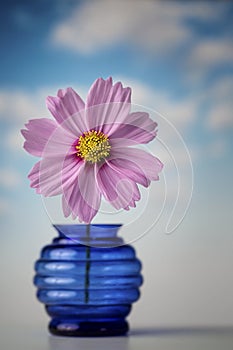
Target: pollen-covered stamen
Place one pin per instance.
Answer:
(93, 146)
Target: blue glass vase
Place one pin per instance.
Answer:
(88, 279)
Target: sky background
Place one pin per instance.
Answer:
(178, 59)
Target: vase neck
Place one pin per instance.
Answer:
(94, 235)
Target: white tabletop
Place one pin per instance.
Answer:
(187, 338)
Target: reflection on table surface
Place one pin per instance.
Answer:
(23, 337)
(210, 338)
(109, 343)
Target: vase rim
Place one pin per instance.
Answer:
(57, 226)
(97, 232)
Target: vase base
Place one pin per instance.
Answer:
(72, 328)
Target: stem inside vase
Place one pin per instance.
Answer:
(87, 266)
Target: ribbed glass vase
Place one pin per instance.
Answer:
(88, 279)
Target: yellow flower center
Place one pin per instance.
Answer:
(93, 146)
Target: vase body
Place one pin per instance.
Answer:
(88, 282)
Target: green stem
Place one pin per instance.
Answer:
(87, 267)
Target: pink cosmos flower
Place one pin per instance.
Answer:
(88, 150)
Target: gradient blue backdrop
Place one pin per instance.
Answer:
(178, 59)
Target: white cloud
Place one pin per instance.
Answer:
(19, 106)
(14, 140)
(222, 89)
(9, 178)
(209, 53)
(184, 113)
(179, 112)
(161, 29)
(154, 26)
(220, 115)
(16, 108)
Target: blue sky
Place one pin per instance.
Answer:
(178, 59)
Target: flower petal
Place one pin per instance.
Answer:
(65, 207)
(65, 104)
(60, 144)
(137, 127)
(116, 187)
(37, 134)
(130, 169)
(69, 110)
(51, 175)
(146, 164)
(82, 196)
(34, 176)
(107, 105)
(103, 91)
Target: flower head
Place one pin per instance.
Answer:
(88, 150)
(93, 146)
